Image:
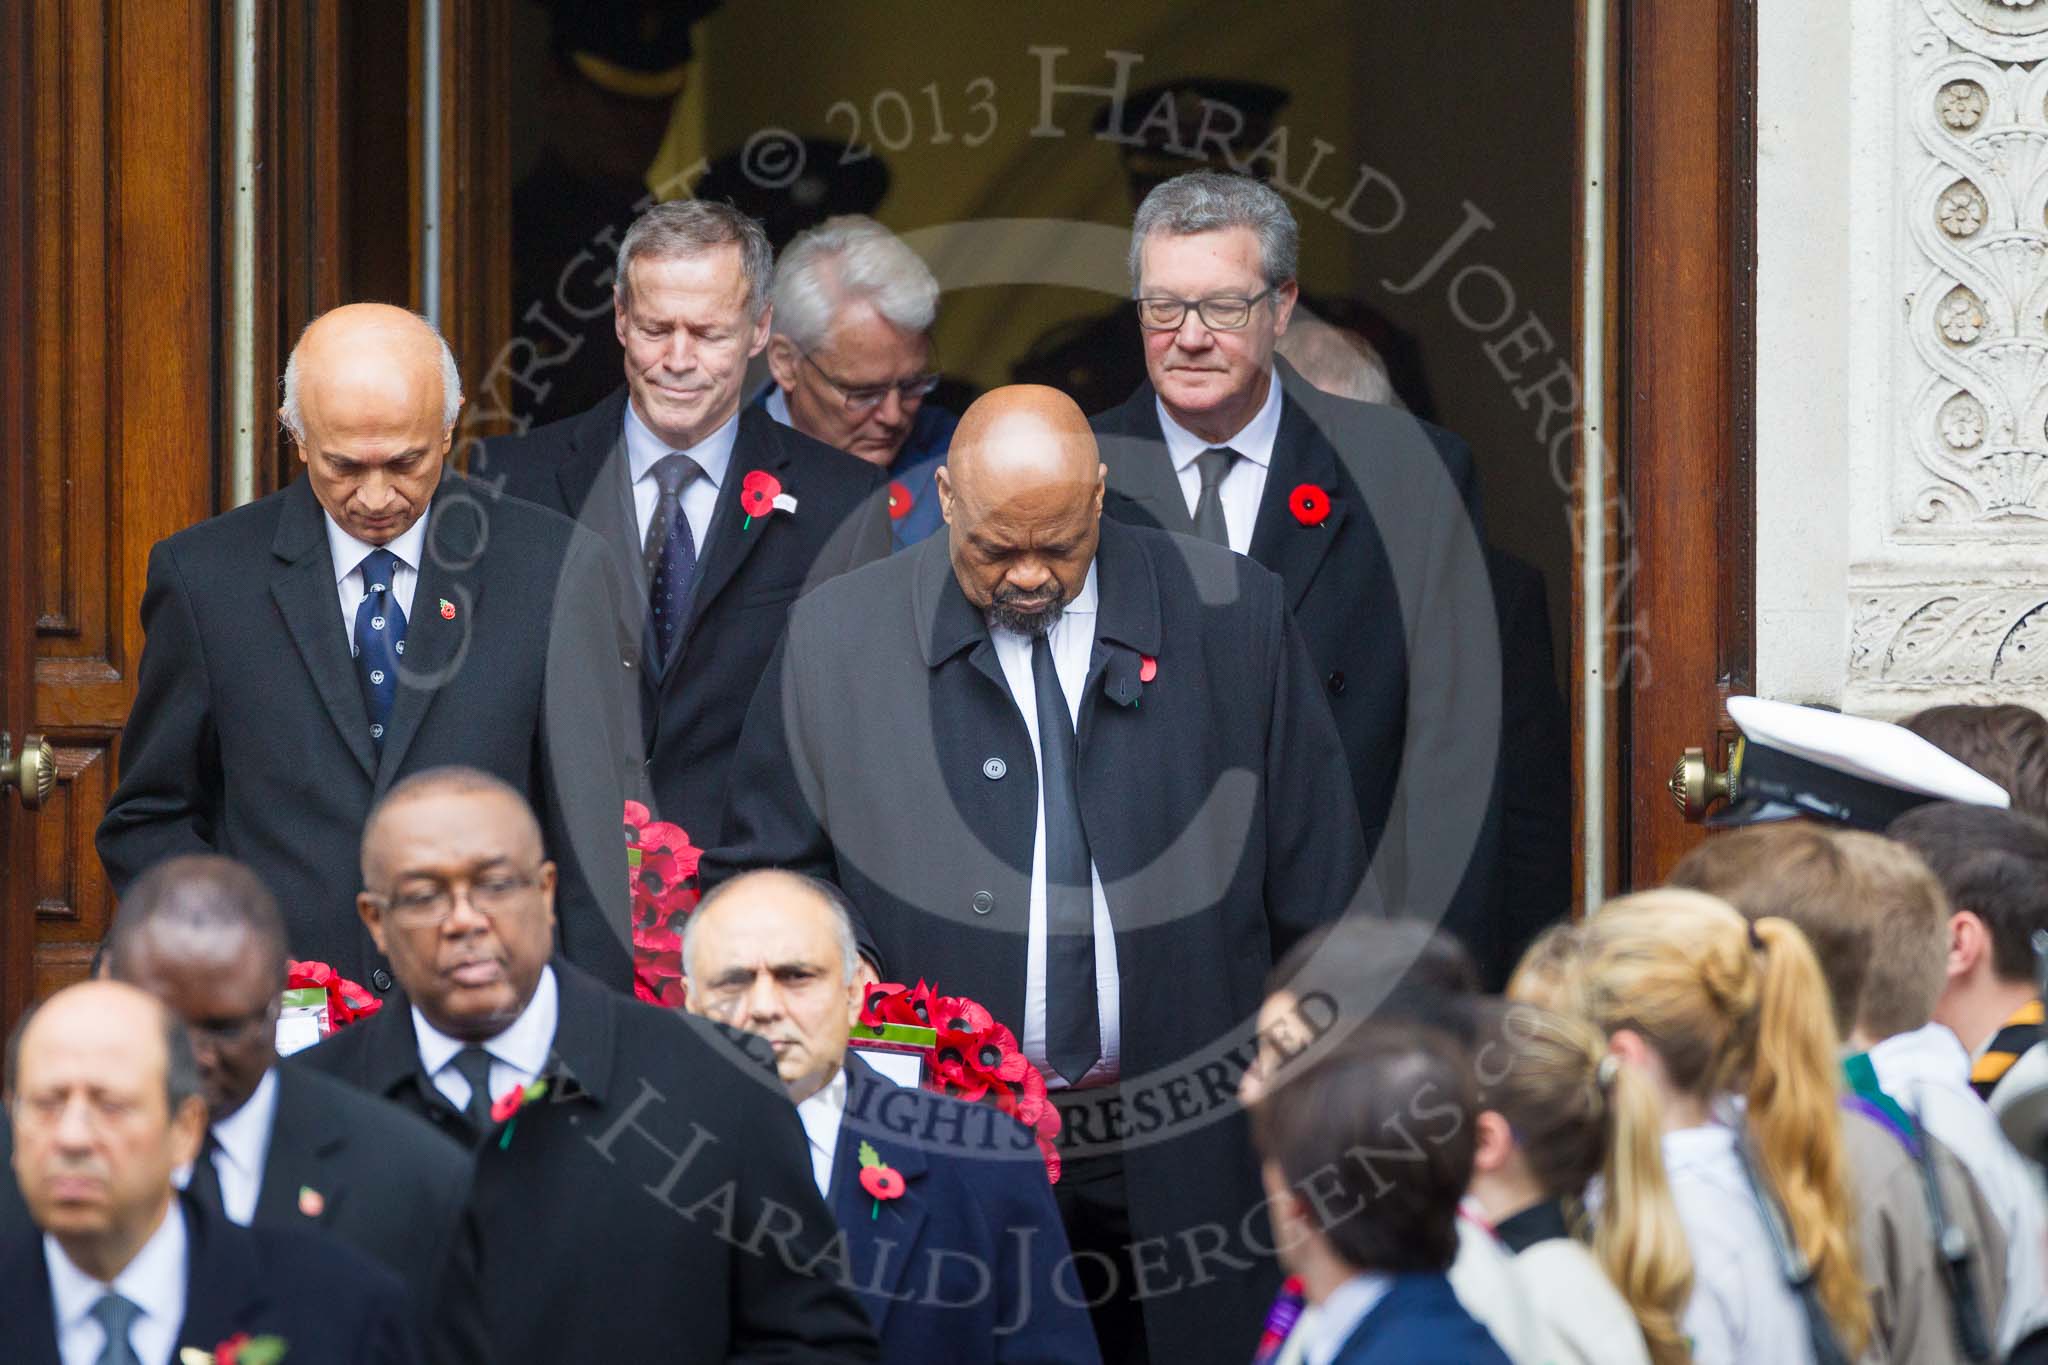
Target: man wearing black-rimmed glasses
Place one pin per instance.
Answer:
(1368, 515)
(851, 356)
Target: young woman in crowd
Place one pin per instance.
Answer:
(1727, 1024)
(1558, 1111)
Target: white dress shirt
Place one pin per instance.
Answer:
(244, 1138)
(1245, 484)
(778, 406)
(1928, 1072)
(518, 1055)
(348, 554)
(1742, 1312)
(1325, 1327)
(713, 455)
(820, 1115)
(153, 1281)
(1073, 641)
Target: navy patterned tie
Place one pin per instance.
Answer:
(670, 555)
(380, 640)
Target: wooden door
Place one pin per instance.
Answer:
(1686, 358)
(110, 401)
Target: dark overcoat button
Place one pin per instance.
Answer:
(1336, 681)
(993, 769)
(381, 979)
(984, 902)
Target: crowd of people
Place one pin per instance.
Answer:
(1163, 748)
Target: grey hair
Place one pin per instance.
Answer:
(451, 383)
(684, 227)
(1205, 201)
(844, 260)
(842, 916)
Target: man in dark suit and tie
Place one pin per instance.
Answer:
(116, 1268)
(968, 1263)
(716, 515)
(1367, 515)
(641, 1189)
(373, 619)
(286, 1146)
(1091, 786)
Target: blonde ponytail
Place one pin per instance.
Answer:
(1639, 1241)
(1794, 1111)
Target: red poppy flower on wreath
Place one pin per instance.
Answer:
(900, 501)
(758, 492)
(1309, 504)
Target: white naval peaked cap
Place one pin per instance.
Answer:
(1802, 760)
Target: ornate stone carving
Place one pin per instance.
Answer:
(1920, 644)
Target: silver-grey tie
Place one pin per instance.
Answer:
(117, 1315)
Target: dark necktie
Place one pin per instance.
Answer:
(473, 1064)
(380, 640)
(1073, 1032)
(1212, 464)
(204, 1184)
(670, 555)
(116, 1315)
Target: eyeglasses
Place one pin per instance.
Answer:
(868, 397)
(425, 903)
(1223, 313)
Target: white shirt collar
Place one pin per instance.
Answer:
(1929, 1053)
(778, 405)
(244, 1136)
(153, 1280)
(1330, 1323)
(523, 1045)
(644, 449)
(1254, 441)
(410, 545)
(821, 1114)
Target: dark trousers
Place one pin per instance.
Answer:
(1097, 1213)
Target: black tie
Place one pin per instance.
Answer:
(204, 1184)
(670, 555)
(380, 639)
(1073, 1033)
(473, 1064)
(1212, 464)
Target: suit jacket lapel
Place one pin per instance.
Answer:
(733, 536)
(881, 1242)
(1134, 448)
(299, 1158)
(446, 604)
(25, 1303)
(223, 1282)
(306, 596)
(1301, 455)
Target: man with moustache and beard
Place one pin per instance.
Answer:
(1095, 786)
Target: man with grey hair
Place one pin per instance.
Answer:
(715, 516)
(378, 616)
(967, 1262)
(1368, 515)
(851, 357)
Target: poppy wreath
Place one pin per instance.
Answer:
(974, 1058)
(346, 1001)
(662, 864)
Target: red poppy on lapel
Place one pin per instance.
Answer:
(1148, 668)
(880, 1179)
(900, 501)
(758, 492)
(1309, 504)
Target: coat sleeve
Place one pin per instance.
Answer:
(588, 762)
(168, 800)
(1315, 849)
(787, 1305)
(1035, 1282)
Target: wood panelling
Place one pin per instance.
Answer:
(18, 581)
(1689, 280)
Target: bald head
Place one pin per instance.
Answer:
(1021, 490)
(370, 397)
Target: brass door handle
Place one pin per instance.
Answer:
(1697, 786)
(32, 772)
